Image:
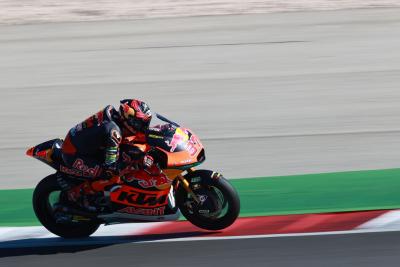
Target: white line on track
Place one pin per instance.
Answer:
(51, 240)
(38, 236)
(39, 232)
(360, 231)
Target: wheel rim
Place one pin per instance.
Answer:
(53, 199)
(213, 204)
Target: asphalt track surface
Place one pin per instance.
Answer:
(269, 94)
(368, 249)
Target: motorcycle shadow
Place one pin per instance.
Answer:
(54, 245)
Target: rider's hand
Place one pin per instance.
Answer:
(132, 153)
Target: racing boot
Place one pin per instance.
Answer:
(82, 195)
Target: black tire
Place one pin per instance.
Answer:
(229, 193)
(44, 213)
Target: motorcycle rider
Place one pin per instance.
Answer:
(91, 148)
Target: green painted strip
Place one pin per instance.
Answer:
(316, 193)
(313, 193)
(16, 208)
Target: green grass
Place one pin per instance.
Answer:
(313, 193)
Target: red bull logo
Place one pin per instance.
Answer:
(146, 181)
(86, 171)
(156, 181)
(180, 136)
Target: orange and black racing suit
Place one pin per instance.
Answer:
(90, 149)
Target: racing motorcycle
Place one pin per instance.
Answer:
(203, 197)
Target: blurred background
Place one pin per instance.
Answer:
(274, 93)
(272, 88)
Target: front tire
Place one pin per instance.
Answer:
(220, 207)
(44, 212)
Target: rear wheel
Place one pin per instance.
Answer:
(220, 204)
(46, 196)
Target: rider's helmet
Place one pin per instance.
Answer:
(135, 114)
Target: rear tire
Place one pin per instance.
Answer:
(213, 188)
(45, 213)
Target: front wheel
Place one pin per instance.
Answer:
(219, 202)
(46, 195)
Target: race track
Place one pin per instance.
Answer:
(368, 249)
(269, 94)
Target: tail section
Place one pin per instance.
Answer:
(47, 152)
(30, 152)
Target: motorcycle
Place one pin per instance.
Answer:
(203, 197)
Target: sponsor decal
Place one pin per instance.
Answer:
(154, 181)
(191, 145)
(80, 165)
(194, 140)
(186, 161)
(202, 198)
(155, 129)
(180, 136)
(216, 175)
(147, 212)
(155, 136)
(205, 212)
(196, 179)
(80, 169)
(140, 198)
(70, 171)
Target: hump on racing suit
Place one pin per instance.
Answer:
(91, 146)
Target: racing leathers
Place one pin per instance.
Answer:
(90, 149)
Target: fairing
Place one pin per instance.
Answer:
(180, 145)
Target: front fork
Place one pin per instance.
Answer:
(186, 186)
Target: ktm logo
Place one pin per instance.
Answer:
(141, 199)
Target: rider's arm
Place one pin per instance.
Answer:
(112, 142)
